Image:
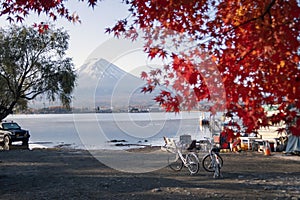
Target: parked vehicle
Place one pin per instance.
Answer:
(12, 132)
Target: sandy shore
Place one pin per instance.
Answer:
(76, 174)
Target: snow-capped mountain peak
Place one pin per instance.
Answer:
(101, 81)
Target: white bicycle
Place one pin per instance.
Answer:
(176, 159)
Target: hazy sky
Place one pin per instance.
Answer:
(90, 35)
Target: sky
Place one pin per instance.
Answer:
(88, 38)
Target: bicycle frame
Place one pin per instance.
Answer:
(183, 159)
(216, 164)
(190, 160)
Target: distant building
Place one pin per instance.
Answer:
(138, 110)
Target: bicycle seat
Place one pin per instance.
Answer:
(170, 144)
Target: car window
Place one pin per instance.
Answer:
(7, 126)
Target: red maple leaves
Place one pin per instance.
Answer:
(19, 9)
(249, 50)
(240, 55)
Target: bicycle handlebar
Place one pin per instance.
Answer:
(208, 139)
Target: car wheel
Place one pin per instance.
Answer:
(6, 147)
(7, 140)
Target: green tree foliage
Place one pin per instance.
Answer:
(32, 64)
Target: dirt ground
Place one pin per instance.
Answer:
(75, 174)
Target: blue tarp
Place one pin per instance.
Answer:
(293, 145)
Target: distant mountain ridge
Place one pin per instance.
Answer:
(103, 83)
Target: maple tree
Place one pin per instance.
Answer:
(239, 54)
(17, 10)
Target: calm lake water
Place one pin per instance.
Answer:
(94, 131)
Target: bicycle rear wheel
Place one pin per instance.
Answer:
(207, 163)
(192, 163)
(174, 162)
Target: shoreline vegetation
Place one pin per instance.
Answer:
(63, 110)
(104, 109)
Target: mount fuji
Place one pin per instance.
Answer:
(102, 83)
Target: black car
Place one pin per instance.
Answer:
(11, 132)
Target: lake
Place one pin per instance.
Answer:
(96, 130)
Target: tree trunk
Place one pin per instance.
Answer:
(4, 111)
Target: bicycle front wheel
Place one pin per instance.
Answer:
(192, 162)
(207, 163)
(175, 162)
